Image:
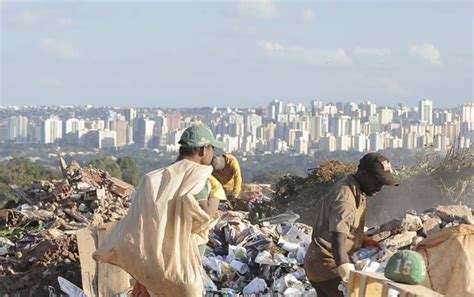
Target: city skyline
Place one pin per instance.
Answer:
(278, 127)
(237, 54)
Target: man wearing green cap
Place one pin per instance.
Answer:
(339, 224)
(197, 145)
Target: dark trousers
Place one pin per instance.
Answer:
(328, 288)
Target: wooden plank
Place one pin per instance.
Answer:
(379, 284)
(87, 242)
(112, 280)
(414, 290)
(385, 290)
(354, 284)
(363, 285)
(374, 287)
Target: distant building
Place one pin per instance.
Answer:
(425, 111)
(52, 130)
(18, 128)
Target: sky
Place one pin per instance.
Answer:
(238, 54)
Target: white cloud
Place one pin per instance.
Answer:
(264, 9)
(428, 52)
(308, 15)
(31, 18)
(58, 48)
(50, 82)
(311, 56)
(270, 46)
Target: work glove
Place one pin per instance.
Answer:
(344, 271)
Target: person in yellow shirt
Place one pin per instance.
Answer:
(227, 172)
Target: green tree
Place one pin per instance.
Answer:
(130, 170)
(108, 165)
(22, 172)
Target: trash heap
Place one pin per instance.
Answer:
(265, 258)
(37, 241)
(407, 231)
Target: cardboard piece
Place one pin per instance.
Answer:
(99, 279)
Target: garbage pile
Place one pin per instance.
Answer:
(265, 258)
(257, 201)
(37, 243)
(407, 231)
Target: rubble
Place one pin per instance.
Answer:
(407, 231)
(452, 213)
(37, 241)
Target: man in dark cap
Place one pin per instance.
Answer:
(339, 224)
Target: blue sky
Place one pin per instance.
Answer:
(242, 53)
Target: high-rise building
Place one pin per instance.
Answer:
(122, 129)
(18, 128)
(360, 143)
(130, 115)
(425, 111)
(316, 106)
(251, 122)
(368, 108)
(467, 113)
(327, 143)
(173, 121)
(52, 130)
(342, 125)
(354, 126)
(376, 141)
(385, 116)
(107, 139)
(143, 131)
(343, 143)
(73, 125)
(274, 109)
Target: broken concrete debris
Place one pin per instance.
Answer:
(405, 232)
(37, 241)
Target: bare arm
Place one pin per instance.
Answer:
(210, 206)
(338, 241)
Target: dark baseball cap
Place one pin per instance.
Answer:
(378, 165)
(198, 136)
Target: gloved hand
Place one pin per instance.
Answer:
(344, 271)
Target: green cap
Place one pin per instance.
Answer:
(198, 136)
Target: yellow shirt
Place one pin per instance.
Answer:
(230, 177)
(336, 212)
(212, 189)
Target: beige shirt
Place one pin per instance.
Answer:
(335, 212)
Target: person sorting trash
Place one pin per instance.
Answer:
(227, 172)
(339, 224)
